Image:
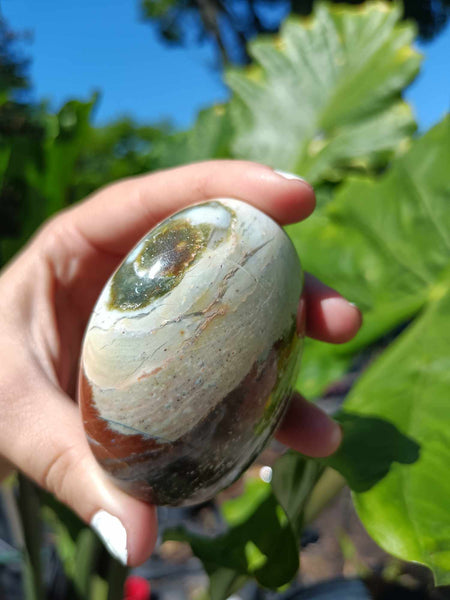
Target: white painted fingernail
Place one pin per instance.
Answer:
(336, 436)
(354, 305)
(113, 534)
(287, 175)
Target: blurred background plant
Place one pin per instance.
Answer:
(322, 96)
(231, 25)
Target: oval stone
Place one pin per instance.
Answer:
(191, 352)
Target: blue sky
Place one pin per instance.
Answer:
(79, 47)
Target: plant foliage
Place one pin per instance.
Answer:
(382, 239)
(229, 26)
(322, 99)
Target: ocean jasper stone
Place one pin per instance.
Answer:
(191, 352)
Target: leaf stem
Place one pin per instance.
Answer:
(29, 510)
(328, 486)
(117, 574)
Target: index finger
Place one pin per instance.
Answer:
(114, 218)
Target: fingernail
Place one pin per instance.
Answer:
(358, 309)
(112, 533)
(287, 175)
(336, 436)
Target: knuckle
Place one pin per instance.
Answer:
(53, 231)
(202, 184)
(57, 240)
(60, 472)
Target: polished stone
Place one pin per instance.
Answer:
(191, 352)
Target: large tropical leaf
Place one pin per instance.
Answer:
(389, 243)
(382, 243)
(324, 97)
(407, 512)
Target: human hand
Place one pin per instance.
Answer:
(47, 294)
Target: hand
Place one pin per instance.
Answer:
(47, 294)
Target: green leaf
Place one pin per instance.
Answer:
(266, 523)
(391, 239)
(322, 364)
(40, 169)
(119, 149)
(407, 511)
(237, 510)
(82, 554)
(209, 138)
(87, 552)
(29, 510)
(61, 151)
(293, 480)
(369, 448)
(383, 244)
(224, 582)
(117, 574)
(272, 545)
(60, 515)
(324, 98)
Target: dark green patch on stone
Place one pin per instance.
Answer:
(166, 254)
(287, 350)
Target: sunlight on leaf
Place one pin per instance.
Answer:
(407, 511)
(328, 97)
(383, 244)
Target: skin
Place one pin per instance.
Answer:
(46, 296)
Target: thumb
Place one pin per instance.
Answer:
(44, 438)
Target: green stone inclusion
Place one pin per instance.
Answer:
(165, 256)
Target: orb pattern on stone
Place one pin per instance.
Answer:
(190, 355)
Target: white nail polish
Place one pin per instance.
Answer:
(336, 436)
(287, 175)
(355, 306)
(112, 533)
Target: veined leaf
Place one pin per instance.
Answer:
(382, 243)
(407, 512)
(324, 97)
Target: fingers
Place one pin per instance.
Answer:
(325, 315)
(117, 216)
(307, 429)
(54, 452)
